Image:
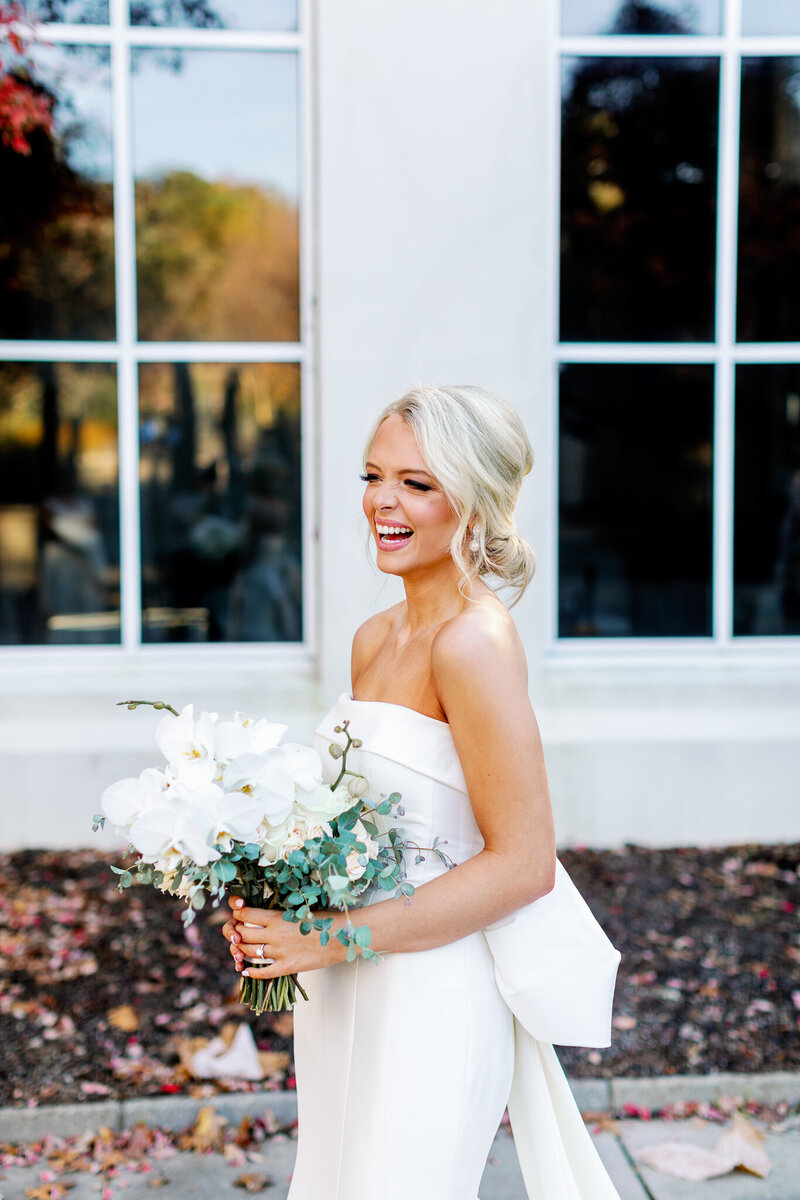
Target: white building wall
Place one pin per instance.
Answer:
(434, 185)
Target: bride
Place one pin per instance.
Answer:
(404, 1068)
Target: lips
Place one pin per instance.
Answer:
(392, 536)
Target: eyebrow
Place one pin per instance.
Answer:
(404, 470)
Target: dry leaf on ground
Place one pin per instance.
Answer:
(208, 1132)
(739, 1148)
(744, 1143)
(123, 1017)
(253, 1181)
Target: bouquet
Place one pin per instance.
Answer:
(234, 809)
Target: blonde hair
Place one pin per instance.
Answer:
(475, 445)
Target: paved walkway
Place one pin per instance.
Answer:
(209, 1177)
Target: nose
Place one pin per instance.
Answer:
(384, 496)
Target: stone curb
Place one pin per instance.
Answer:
(176, 1112)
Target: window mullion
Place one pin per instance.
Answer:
(127, 390)
(727, 232)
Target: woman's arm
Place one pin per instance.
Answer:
(479, 672)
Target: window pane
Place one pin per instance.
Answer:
(769, 201)
(776, 16)
(59, 510)
(56, 204)
(216, 161)
(76, 12)
(216, 14)
(766, 555)
(221, 514)
(638, 196)
(640, 16)
(635, 496)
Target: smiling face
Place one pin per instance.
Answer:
(410, 516)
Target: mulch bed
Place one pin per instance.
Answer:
(98, 988)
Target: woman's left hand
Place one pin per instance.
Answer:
(263, 933)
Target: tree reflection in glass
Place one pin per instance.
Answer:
(216, 163)
(56, 204)
(640, 16)
(766, 553)
(769, 201)
(638, 199)
(59, 508)
(635, 500)
(221, 502)
(279, 15)
(74, 12)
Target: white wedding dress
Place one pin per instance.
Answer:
(405, 1066)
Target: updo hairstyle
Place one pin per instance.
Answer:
(476, 447)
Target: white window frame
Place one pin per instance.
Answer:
(126, 354)
(724, 353)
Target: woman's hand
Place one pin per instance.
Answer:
(263, 933)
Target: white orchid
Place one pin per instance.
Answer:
(324, 803)
(274, 777)
(243, 735)
(124, 801)
(186, 825)
(188, 745)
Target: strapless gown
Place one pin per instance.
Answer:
(405, 1067)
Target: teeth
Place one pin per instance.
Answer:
(393, 528)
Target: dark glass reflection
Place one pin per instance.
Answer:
(75, 12)
(638, 199)
(769, 201)
(766, 546)
(216, 162)
(635, 501)
(56, 203)
(775, 16)
(59, 508)
(279, 15)
(640, 16)
(221, 502)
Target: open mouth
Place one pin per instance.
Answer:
(393, 536)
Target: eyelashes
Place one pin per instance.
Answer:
(414, 484)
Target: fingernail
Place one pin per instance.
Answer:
(238, 903)
(236, 937)
(246, 973)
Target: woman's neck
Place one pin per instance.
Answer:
(434, 597)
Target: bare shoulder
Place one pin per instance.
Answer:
(479, 651)
(370, 636)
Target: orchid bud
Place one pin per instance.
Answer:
(335, 751)
(357, 786)
(357, 743)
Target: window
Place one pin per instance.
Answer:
(677, 355)
(155, 325)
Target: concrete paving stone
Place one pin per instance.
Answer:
(176, 1112)
(591, 1095)
(768, 1088)
(616, 1162)
(65, 1120)
(782, 1183)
